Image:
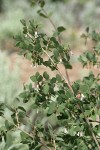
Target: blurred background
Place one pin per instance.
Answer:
(74, 15)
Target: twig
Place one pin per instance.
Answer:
(18, 124)
(58, 70)
(18, 127)
(30, 36)
(67, 76)
(54, 144)
(92, 133)
(49, 19)
(69, 83)
(26, 132)
(90, 120)
(59, 39)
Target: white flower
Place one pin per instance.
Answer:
(82, 97)
(60, 60)
(36, 34)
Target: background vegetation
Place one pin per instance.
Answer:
(72, 14)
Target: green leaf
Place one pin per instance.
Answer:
(47, 63)
(23, 22)
(68, 93)
(89, 56)
(34, 106)
(52, 108)
(84, 88)
(33, 3)
(97, 48)
(61, 29)
(71, 131)
(21, 108)
(21, 117)
(23, 147)
(95, 36)
(30, 87)
(61, 108)
(50, 145)
(38, 77)
(43, 15)
(10, 138)
(8, 125)
(53, 80)
(32, 24)
(87, 113)
(58, 78)
(46, 89)
(33, 78)
(42, 4)
(23, 136)
(28, 56)
(87, 29)
(1, 114)
(37, 47)
(24, 29)
(82, 58)
(38, 147)
(67, 64)
(56, 53)
(30, 47)
(45, 75)
(2, 106)
(24, 94)
(53, 39)
(59, 139)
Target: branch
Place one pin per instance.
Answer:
(90, 120)
(26, 132)
(59, 39)
(58, 70)
(69, 83)
(92, 133)
(49, 18)
(18, 127)
(54, 144)
(18, 124)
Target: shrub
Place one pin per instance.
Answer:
(9, 79)
(74, 107)
(9, 86)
